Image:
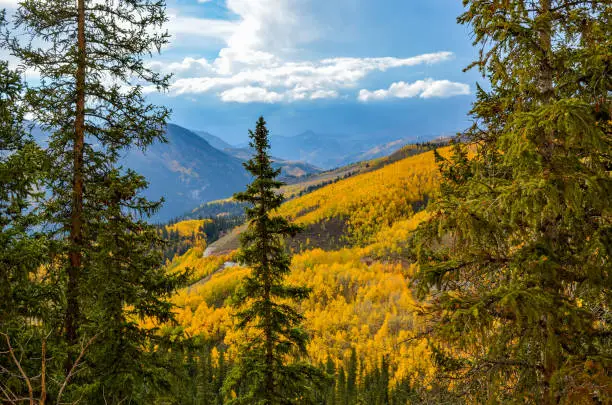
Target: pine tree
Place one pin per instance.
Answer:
(330, 369)
(341, 394)
(90, 100)
(22, 249)
(270, 368)
(351, 377)
(515, 265)
(24, 290)
(384, 381)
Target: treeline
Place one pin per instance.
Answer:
(216, 227)
(80, 267)
(317, 186)
(216, 209)
(204, 368)
(177, 243)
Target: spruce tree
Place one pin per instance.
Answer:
(24, 289)
(270, 367)
(515, 265)
(90, 57)
(351, 377)
(21, 248)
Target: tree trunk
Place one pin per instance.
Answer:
(76, 220)
(269, 383)
(546, 149)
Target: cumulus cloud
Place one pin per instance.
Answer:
(250, 94)
(189, 65)
(308, 80)
(183, 27)
(265, 30)
(428, 88)
(257, 63)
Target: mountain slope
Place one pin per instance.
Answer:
(330, 150)
(214, 140)
(289, 168)
(186, 171)
(360, 295)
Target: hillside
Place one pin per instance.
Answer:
(214, 140)
(329, 204)
(185, 172)
(360, 298)
(329, 151)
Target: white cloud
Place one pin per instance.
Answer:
(427, 88)
(250, 94)
(323, 94)
(188, 65)
(181, 27)
(257, 63)
(266, 29)
(304, 80)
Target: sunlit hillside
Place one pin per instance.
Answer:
(187, 228)
(360, 292)
(370, 202)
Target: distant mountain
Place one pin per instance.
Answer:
(214, 141)
(290, 168)
(186, 171)
(377, 151)
(329, 150)
(294, 169)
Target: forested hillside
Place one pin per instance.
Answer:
(361, 312)
(471, 270)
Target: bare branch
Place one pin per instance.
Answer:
(18, 364)
(73, 368)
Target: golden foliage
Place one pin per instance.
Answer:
(373, 200)
(187, 228)
(360, 295)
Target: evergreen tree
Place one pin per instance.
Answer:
(220, 377)
(24, 289)
(351, 377)
(383, 396)
(21, 248)
(270, 368)
(90, 100)
(516, 262)
(330, 369)
(341, 395)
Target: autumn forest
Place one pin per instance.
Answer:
(472, 269)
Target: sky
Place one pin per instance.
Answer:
(366, 67)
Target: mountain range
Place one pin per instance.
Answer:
(186, 171)
(194, 166)
(333, 150)
(191, 168)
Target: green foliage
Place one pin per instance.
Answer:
(106, 261)
(516, 261)
(22, 249)
(217, 209)
(214, 228)
(270, 368)
(24, 291)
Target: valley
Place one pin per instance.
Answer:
(352, 253)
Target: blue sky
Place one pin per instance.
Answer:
(375, 67)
